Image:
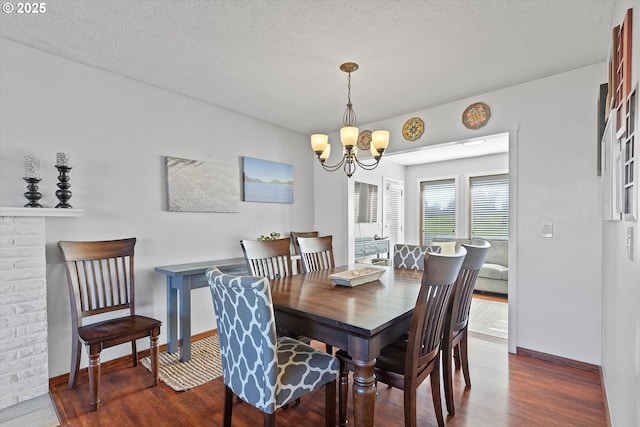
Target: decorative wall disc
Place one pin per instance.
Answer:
(413, 128)
(476, 115)
(364, 140)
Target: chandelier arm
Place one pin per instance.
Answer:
(331, 168)
(368, 166)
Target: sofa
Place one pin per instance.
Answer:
(494, 274)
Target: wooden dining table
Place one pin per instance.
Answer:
(361, 319)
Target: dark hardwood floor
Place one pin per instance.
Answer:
(508, 390)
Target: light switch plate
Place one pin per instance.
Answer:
(546, 230)
(629, 243)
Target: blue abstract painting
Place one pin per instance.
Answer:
(266, 181)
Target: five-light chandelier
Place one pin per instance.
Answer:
(349, 138)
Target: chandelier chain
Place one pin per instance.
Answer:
(349, 118)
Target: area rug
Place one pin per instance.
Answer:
(489, 318)
(203, 367)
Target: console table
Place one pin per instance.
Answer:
(181, 279)
(365, 246)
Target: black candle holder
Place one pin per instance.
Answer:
(63, 194)
(32, 194)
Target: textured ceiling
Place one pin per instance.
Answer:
(278, 60)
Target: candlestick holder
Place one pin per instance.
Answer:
(32, 194)
(63, 194)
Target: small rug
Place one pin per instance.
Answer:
(489, 318)
(203, 367)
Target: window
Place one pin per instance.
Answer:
(489, 206)
(438, 201)
(365, 202)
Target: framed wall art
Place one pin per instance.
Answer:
(197, 186)
(266, 181)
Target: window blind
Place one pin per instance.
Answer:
(438, 203)
(489, 206)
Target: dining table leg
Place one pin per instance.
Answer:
(364, 392)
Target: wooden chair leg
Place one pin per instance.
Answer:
(228, 406)
(435, 393)
(447, 377)
(94, 376)
(134, 353)
(269, 420)
(330, 404)
(76, 350)
(155, 353)
(343, 392)
(410, 406)
(464, 358)
(456, 355)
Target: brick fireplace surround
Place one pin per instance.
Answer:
(23, 303)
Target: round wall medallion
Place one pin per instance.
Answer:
(364, 140)
(476, 115)
(413, 128)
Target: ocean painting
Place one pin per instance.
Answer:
(265, 181)
(195, 186)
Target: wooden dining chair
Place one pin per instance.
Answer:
(260, 368)
(408, 361)
(296, 246)
(296, 234)
(267, 258)
(316, 253)
(454, 339)
(100, 276)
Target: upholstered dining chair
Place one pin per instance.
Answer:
(267, 258)
(270, 259)
(411, 257)
(316, 253)
(408, 361)
(260, 368)
(454, 339)
(100, 276)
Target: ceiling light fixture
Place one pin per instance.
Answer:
(349, 137)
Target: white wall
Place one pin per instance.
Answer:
(621, 286)
(117, 131)
(553, 175)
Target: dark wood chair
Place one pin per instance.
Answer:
(316, 253)
(454, 339)
(408, 361)
(101, 280)
(267, 258)
(296, 247)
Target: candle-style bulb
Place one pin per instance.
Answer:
(62, 159)
(31, 167)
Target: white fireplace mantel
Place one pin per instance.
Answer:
(44, 212)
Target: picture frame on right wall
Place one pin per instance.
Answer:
(630, 158)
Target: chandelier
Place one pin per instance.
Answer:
(349, 138)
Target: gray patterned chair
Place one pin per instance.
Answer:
(411, 257)
(263, 370)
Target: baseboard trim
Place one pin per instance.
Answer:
(62, 380)
(558, 360)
